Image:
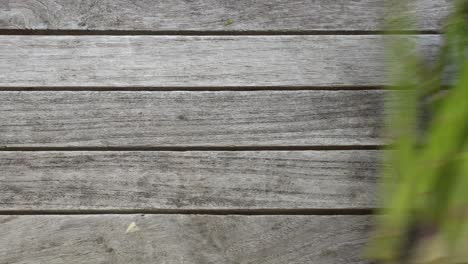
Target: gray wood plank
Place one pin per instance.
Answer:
(188, 180)
(190, 118)
(201, 61)
(209, 15)
(174, 239)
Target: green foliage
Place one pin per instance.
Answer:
(229, 22)
(425, 189)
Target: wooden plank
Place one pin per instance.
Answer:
(210, 15)
(190, 118)
(171, 239)
(188, 180)
(189, 61)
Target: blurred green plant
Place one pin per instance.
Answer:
(425, 178)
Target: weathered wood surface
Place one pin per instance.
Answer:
(189, 118)
(209, 15)
(188, 180)
(181, 61)
(175, 239)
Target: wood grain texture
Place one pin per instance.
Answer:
(210, 15)
(189, 61)
(174, 239)
(188, 180)
(190, 118)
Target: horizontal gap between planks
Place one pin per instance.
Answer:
(59, 32)
(204, 89)
(198, 148)
(225, 88)
(311, 211)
